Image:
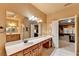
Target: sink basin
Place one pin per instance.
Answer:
(28, 41)
(25, 41)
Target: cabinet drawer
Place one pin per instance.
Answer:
(27, 54)
(35, 52)
(18, 54)
(27, 50)
(35, 46)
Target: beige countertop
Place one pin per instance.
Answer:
(16, 46)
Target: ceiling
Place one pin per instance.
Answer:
(49, 8)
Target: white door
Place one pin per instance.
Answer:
(55, 33)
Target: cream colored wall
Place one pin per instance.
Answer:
(2, 35)
(26, 10)
(26, 34)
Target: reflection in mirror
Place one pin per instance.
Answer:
(25, 28)
(12, 26)
(31, 28)
(19, 27)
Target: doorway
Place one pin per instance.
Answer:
(64, 36)
(67, 34)
(36, 30)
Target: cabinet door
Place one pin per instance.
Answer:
(40, 50)
(50, 43)
(35, 52)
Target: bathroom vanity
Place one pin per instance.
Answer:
(33, 47)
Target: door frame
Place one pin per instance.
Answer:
(75, 16)
(56, 46)
(39, 29)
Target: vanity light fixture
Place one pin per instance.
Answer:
(12, 24)
(31, 18)
(39, 21)
(34, 18)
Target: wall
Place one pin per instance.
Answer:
(26, 10)
(2, 35)
(26, 34)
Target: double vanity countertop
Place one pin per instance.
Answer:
(16, 46)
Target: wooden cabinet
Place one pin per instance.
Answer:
(18, 54)
(35, 52)
(32, 51)
(50, 42)
(47, 43)
(40, 49)
(27, 52)
(36, 49)
(12, 37)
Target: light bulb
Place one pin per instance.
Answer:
(69, 21)
(12, 24)
(39, 21)
(32, 17)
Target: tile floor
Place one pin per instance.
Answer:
(65, 49)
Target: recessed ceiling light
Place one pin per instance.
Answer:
(69, 21)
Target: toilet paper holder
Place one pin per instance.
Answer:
(2, 29)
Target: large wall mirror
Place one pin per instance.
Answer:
(19, 27)
(13, 26)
